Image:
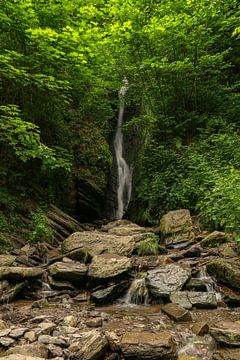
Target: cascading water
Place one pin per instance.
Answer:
(138, 291)
(124, 188)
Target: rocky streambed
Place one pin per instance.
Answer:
(95, 297)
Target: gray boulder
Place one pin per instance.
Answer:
(176, 221)
(69, 271)
(166, 279)
(225, 271)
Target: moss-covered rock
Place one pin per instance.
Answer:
(225, 271)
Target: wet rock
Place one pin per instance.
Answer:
(38, 350)
(227, 333)
(214, 239)
(72, 271)
(176, 312)
(95, 322)
(225, 271)
(110, 293)
(6, 341)
(200, 328)
(188, 299)
(146, 345)
(196, 284)
(60, 284)
(11, 292)
(176, 221)
(95, 243)
(92, 346)
(166, 279)
(226, 354)
(108, 266)
(7, 260)
(19, 273)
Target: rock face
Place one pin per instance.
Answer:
(146, 345)
(176, 221)
(225, 271)
(71, 271)
(96, 243)
(19, 273)
(167, 279)
(108, 266)
(227, 332)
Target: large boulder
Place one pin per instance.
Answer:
(199, 299)
(166, 279)
(225, 271)
(70, 271)
(176, 221)
(146, 345)
(108, 266)
(227, 333)
(18, 273)
(94, 243)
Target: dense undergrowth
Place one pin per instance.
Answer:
(61, 65)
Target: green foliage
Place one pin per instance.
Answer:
(5, 244)
(148, 246)
(220, 206)
(41, 231)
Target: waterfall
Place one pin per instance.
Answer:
(124, 188)
(138, 291)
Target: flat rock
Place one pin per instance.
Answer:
(166, 279)
(92, 346)
(95, 243)
(17, 273)
(146, 345)
(7, 260)
(108, 266)
(225, 271)
(214, 239)
(109, 294)
(31, 350)
(176, 312)
(17, 333)
(188, 299)
(128, 230)
(72, 271)
(227, 333)
(176, 221)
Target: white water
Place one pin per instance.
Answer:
(124, 172)
(137, 293)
